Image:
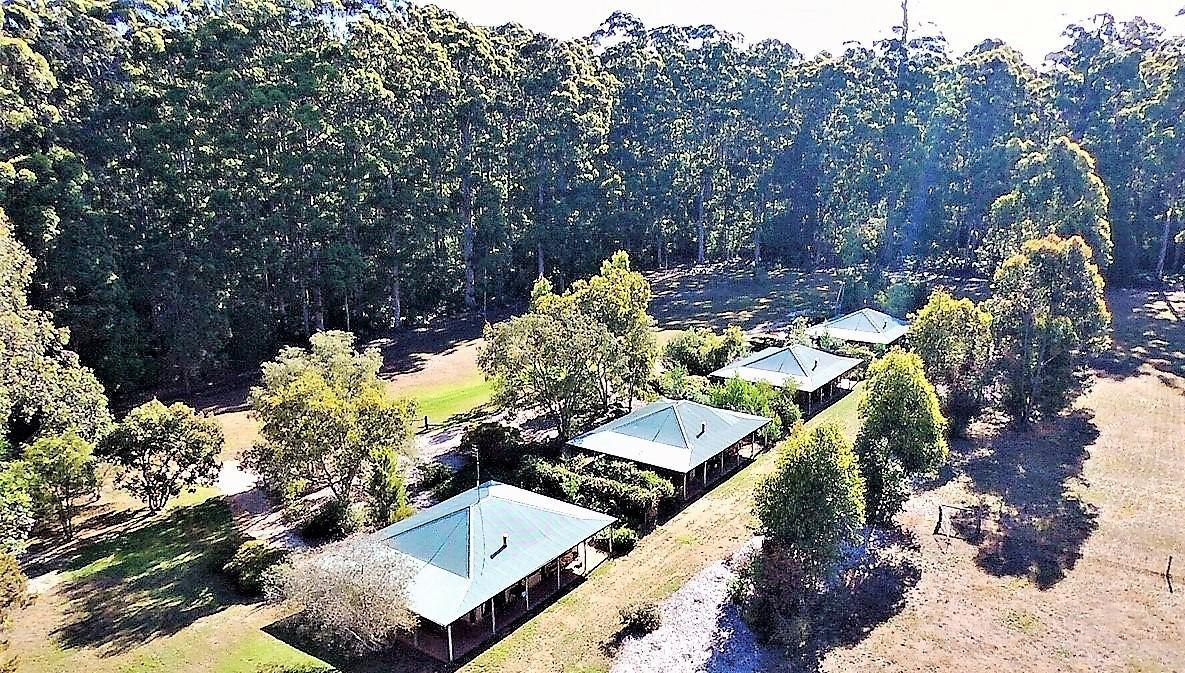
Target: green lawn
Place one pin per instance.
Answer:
(441, 402)
(149, 598)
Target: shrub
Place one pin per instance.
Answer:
(641, 618)
(700, 351)
(786, 410)
(750, 398)
(433, 474)
(386, 490)
(902, 298)
(615, 487)
(677, 384)
(335, 520)
(500, 447)
(248, 567)
(624, 539)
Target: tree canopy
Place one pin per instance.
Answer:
(1049, 316)
(902, 430)
(162, 451)
(200, 184)
(814, 501)
(325, 415)
(583, 350)
(953, 337)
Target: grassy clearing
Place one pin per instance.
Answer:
(439, 402)
(146, 597)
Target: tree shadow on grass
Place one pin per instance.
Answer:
(869, 594)
(1149, 330)
(149, 581)
(1043, 521)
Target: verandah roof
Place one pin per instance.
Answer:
(677, 435)
(808, 369)
(457, 552)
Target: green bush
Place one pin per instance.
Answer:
(248, 567)
(433, 474)
(624, 539)
(615, 487)
(335, 520)
(676, 384)
(903, 297)
(751, 398)
(640, 618)
(500, 447)
(786, 410)
(700, 351)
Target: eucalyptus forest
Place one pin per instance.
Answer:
(201, 183)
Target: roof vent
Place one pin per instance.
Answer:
(815, 365)
(703, 427)
(505, 540)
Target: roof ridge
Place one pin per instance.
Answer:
(796, 359)
(679, 422)
(866, 313)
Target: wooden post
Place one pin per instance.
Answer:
(610, 543)
(449, 629)
(684, 485)
(705, 473)
(557, 574)
(584, 563)
(527, 590)
(493, 618)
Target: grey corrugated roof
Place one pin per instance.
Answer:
(808, 368)
(676, 435)
(456, 546)
(866, 325)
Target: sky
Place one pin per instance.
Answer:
(1032, 26)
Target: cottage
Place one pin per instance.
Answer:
(484, 557)
(865, 326)
(677, 437)
(815, 374)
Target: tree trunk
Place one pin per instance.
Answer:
(468, 223)
(701, 226)
(396, 298)
(318, 299)
(1165, 235)
(539, 221)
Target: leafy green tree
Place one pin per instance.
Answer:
(701, 351)
(324, 413)
(618, 297)
(62, 472)
(44, 389)
(552, 357)
(17, 511)
(386, 490)
(953, 337)
(162, 451)
(1057, 191)
(902, 430)
(13, 596)
(814, 501)
(736, 394)
(1048, 315)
